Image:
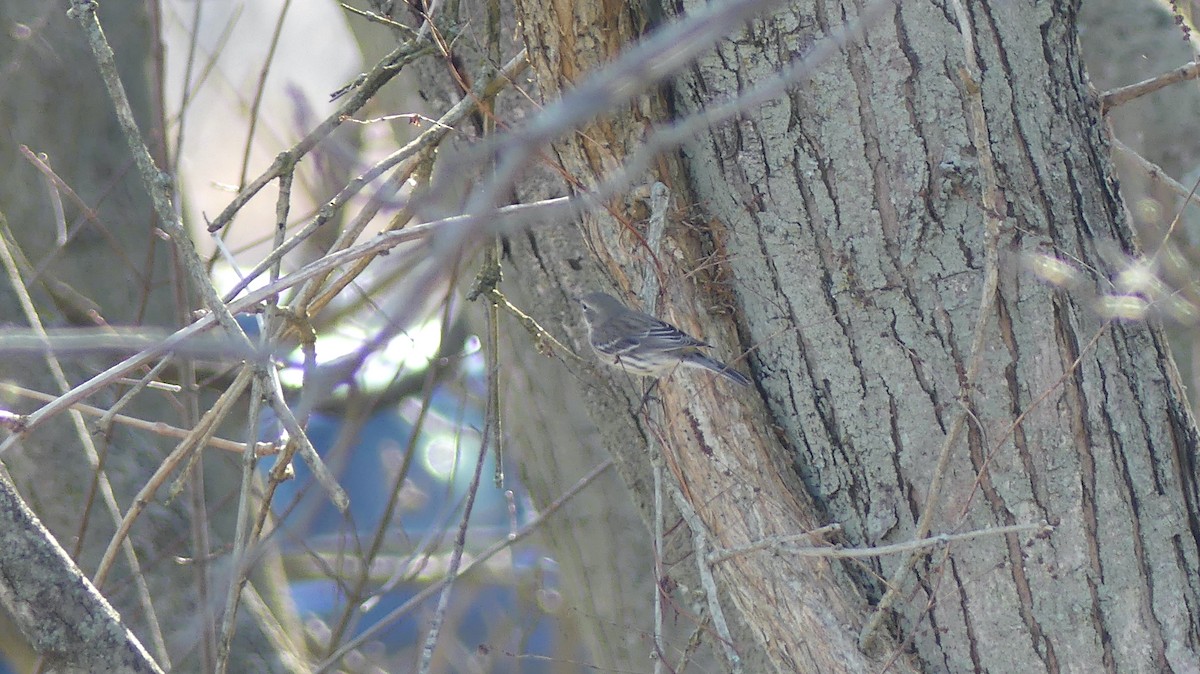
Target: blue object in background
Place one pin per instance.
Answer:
(487, 610)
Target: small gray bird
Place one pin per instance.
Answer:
(641, 344)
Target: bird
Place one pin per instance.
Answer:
(642, 344)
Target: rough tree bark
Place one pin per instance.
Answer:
(847, 235)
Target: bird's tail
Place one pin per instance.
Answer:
(701, 360)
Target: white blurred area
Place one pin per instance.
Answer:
(218, 48)
(316, 55)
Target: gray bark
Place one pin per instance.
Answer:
(58, 611)
(869, 263)
(849, 218)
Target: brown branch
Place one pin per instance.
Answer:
(1114, 97)
(157, 427)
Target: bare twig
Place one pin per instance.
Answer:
(185, 90)
(1157, 174)
(460, 543)
(88, 215)
(660, 650)
(509, 217)
(291, 424)
(837, 552)
(260, 89)
(1121, 95)
(495, 418)
(719, 556)
(1188, 197)
(156, 427)
(383, 71)
(196, 438)
(156, 184)
(15, 342)
(476, 562)
(411, 150)
(243, 530)
(993, 200)
(56, 206)
(101, 479)
(660, 202)
(357, 587)
(700, 538)
(372, 16)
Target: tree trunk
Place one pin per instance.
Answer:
(848, 236)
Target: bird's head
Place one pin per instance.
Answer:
(597, 307)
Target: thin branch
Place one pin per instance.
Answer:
(1157, 174)
(992, 201)
(1067, 374)
(56, 206)
(837, 552)
(508, 218)
(460, 543)
(540, 334)
(261, 88)
(88, 216)
(279, 405)
(242, 529)
(660, 650)
(364, 88)
(1121, 95)
(700, 538)
(376, 18)
(355, 595)
(430, 138)
(196, 438)
(185, 89)
(660, 201)
(719, 556)
(156, 427)
(656, 228)
(101, 479)
(156, 185)
(16, 342)
(476, 562)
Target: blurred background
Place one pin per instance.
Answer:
(390, 372)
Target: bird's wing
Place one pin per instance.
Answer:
(619, 346)
(670, 336)
(640, 330)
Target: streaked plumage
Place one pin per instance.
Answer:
(641, 344)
